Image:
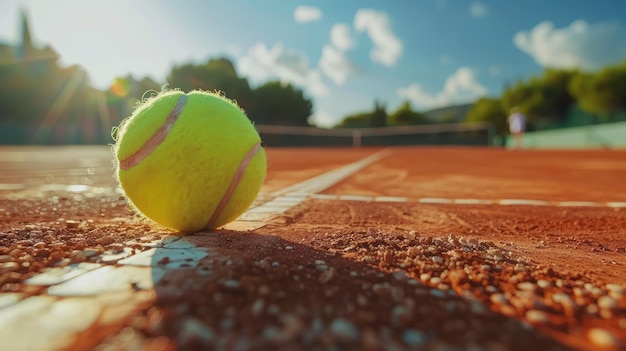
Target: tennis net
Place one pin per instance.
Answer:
(479, 133)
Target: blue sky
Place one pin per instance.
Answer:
(343, 54)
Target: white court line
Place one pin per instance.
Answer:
(527, 202)
(439, 200)
(284, 199)
(330, 178)
(434, 200)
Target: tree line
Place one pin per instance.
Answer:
(44, 103)
(551, 99)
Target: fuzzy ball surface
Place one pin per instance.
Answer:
(189, 162)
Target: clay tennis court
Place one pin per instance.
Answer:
(424, 248)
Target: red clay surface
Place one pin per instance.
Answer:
(394, 275)
(493, 174)
(287, 166)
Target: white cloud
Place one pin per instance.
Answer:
(341, 37)
(460, 87)
(581, 45)
(323, 119)
(262, 63)
(418, 97)
(334, 62)
(387, 47)
(478, 9)
(336, 65)
(305, 14)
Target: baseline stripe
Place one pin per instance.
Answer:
(233, 184)
(439, 200)
(157, 138)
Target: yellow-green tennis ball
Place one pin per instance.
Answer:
(190, 161)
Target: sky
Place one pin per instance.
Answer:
(343, 54)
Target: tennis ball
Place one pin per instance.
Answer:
(189, 161)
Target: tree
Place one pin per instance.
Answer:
(603, 92)
(379, 116)
(489, 110)
(369, 119)
(405, 116)
(357, 120)
(214, 75)
(545, 99)
(282, 104)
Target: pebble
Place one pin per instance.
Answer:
(607, 302)
(320, 265)
(437, 259)
(437, 293)
(526, 286)
(343, 328)
(578, 292)
(508, 310)
(194, 329)
(10, 277)
(115, 248)
(400, 275)
(413, 337)
(288, 247)
(592, 309)
(563, 299)
(232, 284)
(595, 291)
(273, 333)
(435, 280)
(90, 252)
(6, 258)
(606, 314)
(257, 307)
(544, 284)
(498, 299)
(264, 264)
(495, 254)
(535, 316)
(400, 316)
(72, 224)
(602, 337)
(326, 276)
(9, 267)
(388, 256)
(615, 288)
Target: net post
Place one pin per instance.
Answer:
(356, 138)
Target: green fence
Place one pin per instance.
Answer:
(608, 136)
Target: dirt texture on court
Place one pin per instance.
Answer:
(333, 274)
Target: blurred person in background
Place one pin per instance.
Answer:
(517, 126)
